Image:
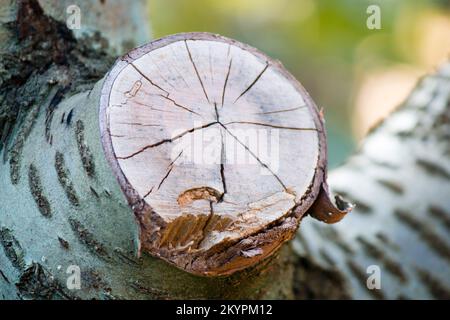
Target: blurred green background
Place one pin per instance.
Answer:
(355, 74)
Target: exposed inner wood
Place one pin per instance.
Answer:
(215, 139)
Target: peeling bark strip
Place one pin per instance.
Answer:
(37, 192)
(12, 248)
(37, 283)
(16, 151)
(64, 179)
(218, 204)
(87, 238)
(83, 149)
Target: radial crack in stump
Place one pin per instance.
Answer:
(220, 153)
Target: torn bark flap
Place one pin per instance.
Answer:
(325, 210)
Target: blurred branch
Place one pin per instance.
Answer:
(400, 183)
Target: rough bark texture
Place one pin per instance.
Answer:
(116, 25)
(54, 173)
(400, 182)
(123, 24)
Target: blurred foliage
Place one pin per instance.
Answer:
(324, 43)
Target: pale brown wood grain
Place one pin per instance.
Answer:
(216, 145)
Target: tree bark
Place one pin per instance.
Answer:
(116, 26)
(61, 205)
(400, 182)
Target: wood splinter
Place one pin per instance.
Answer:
(219, 150)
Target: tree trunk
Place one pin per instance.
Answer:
(66, 169)
(61, 205)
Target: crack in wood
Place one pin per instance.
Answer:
(166, 140)
(257, 159)
(226, 81)
(253, 83)
(179, 105)
(139, 124)
(281, 111)
(196, 71)
(148, 79)
(148, 192)
(217, 112)
(271, 126)
(222, 168)
(170, 168)
(222, 156)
